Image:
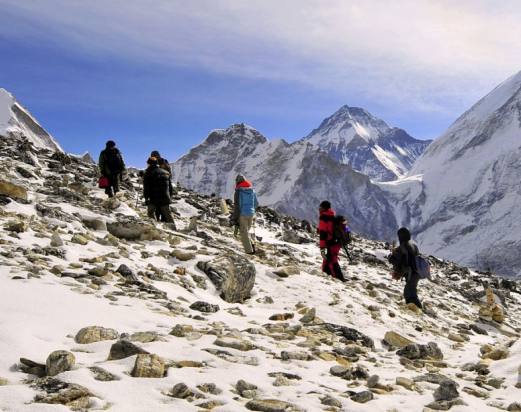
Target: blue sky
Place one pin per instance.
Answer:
(161, 74)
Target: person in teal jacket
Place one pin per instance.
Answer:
(244, 206)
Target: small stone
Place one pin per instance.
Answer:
(456, 338)
(79, 239)
(447, 391)
(496, 353)
(286, 271)
(59, 361)
(183, 255)
(124, 349)
(372, 382)
(281, 316)
(16, 226)
(209, 388)
(144, 337)
(238, 344)
(3, 382)
(281, 381)
(338, 370)
(309, 316)
(92, 334)
(395, 339)
(148, 366)
(181, 330)
(204, 307)
(182, 391)
(405, 382)
(418, 351)
(514, 406)
(103, 375)
(362, 397)
(328, 400)
(272, 405)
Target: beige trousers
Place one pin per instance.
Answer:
(245, 223)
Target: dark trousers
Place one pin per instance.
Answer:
(410, 292)
(113, 186)
(330, 265)
(160, 213)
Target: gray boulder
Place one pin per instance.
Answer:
(131, 228)
(59, 361)
(418, 351)
(447, 391)
(233, 275)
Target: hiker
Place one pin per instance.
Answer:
(156, 191)
(244, 207)
(111, 166)
(403, 259)
(330, 245)
(164, 164)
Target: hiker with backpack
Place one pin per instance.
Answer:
(156, 191)
(244, 206)
(111, 166)
(164, 164)
(334, 235)
(409, 265)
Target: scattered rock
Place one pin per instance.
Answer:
(309, 316)
(131, 228)
(396, 340)
(282, 316)
(418, 351)
(328, 400)
(405, 382)
(286, 271)
(16, 226)
(182, 391)
(145, 337)
(362, 397)
(103, 375)
(238, 344)
(56, 240)
(92, 334)
(124, 349)
(79, 239)
(75, 397)
(272, 405)
(209, 388)
(245, 389)
(59, 361)
(94, 223)
(33, 368)
(183, 255)
(233, 275)
(447, 391)
(204, 307)
(148, 366)
(13, 191)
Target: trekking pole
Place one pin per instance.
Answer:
(347, 253)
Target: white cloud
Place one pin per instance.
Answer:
(424, 55)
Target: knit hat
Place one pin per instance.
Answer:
(155, 154)
(110, 143)
(404, 235)
(239, 178)
(325, 205)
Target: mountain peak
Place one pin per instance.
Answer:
(15, 120)
(238, 133)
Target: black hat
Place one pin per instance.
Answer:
(404, 235)
(110, 143)
(155, 154)
(239, 178)
(325, 204)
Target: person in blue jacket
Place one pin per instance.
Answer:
(244, 206)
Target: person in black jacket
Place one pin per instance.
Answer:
(156, 191)
(403, 259)
(111, 165)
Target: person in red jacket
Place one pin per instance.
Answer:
(329, 247)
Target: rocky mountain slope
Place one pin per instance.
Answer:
(15, 120)
(293, 178)
(462, 195)
(355, 137)
(103, 309)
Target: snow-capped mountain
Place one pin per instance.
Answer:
(16, 120)
(294, 178)
(354, 136)
(462, 196)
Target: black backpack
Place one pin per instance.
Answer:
(341, 234)
(113, 160)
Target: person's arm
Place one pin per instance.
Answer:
(236, 207)
(101, 163)
(146, 186)
(255, 201)
(323, 232)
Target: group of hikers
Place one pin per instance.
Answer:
(333, 230)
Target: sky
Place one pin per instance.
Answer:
(161, 74)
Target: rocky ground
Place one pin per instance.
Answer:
(103, 309)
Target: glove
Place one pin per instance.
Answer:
(323, 253)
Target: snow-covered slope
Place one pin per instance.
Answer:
(301, 342)
(16, 120)
(293, 178)
(465, 203)
(354, 136)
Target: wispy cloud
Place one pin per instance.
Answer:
(422, 55)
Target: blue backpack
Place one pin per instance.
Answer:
(423, 267)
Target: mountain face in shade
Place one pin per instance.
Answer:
(15, 120)
(463, 194)
(354, 136)
(293, 178)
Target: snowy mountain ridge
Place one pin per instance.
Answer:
(15, 119)
(293, 178)
(354, 136)
(463, 206)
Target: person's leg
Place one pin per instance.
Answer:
(410, 292)
(335, 265)
(244, 227)
(115, 182)
(166, 214)
(151, 211)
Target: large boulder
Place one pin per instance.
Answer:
(13, 191)
(131, 228)
(233, 275)
(59, 361)
(148, 366)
